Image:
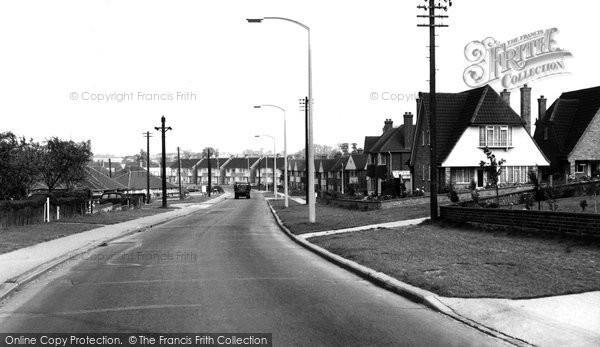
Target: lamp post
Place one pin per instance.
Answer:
(285, 162)
(310, 150)
(274, 165)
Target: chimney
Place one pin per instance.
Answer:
(408, 118)
(541, 107)
(526, 107)
(505, 94)
(388, 124)
(408, 129)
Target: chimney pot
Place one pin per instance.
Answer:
(526, 107)
(505, 95)
(541, 107)
(388, 124)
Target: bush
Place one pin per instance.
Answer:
(583, 204)
(452, 194)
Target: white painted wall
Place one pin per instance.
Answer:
(467, 152)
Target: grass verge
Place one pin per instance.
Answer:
(28, 235)
(470, 262)
(295, 217)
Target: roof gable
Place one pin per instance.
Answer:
(570, 115)
(457, 111)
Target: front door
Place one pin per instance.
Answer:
(480, 178)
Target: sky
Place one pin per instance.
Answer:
(106, 71)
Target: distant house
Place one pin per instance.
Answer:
(323, 172)
(389, 155)
(189, 172)
(569, 133)
(240, 170)
(216, 168)
(108, 165)
(355, 172)
(136, 183)
(336, 179)
(466, 123)
(264, 168)
(98, 182)
(297, 174)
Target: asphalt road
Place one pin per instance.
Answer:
(225, 269)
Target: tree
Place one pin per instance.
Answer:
(63, 162)
(344, 148)
(141, 157)
(214, 152)
(354, 148)
(187, 154)
(538, 192)
(19, 166)
(253, 153)
(494, 169)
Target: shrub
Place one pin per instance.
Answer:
(452, 194)
(583, 204)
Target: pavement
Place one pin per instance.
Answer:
(23, 265)
(567, 320)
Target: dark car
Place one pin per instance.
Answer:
(241, 189)
(114, 198)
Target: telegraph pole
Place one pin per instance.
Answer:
(208, 188)
(148, 136)
(433, 179)
(179, 174)
(163, 130)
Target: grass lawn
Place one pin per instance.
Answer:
(295, 217)
(23, 236)
(568, 205)
(469, 262)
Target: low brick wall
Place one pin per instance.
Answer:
(560, 222)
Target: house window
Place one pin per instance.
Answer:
(461, 175)
(495, 136)
(545, 133)
(580, 167)
(423, 138)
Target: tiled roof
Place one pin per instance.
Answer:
(241, 163)
(136, 180)
(360, 160)
(185, 163)
(339, 164)
(269, 162)
(457, 111)
(391, 141)
(96, 180)
(571, 114)
(327, 164)
(213, 163)
(369, 142)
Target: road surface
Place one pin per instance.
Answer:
(225, 269)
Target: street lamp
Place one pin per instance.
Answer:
(274, 165)
(310, 150)
(285, 162)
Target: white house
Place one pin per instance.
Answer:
(467, 123)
